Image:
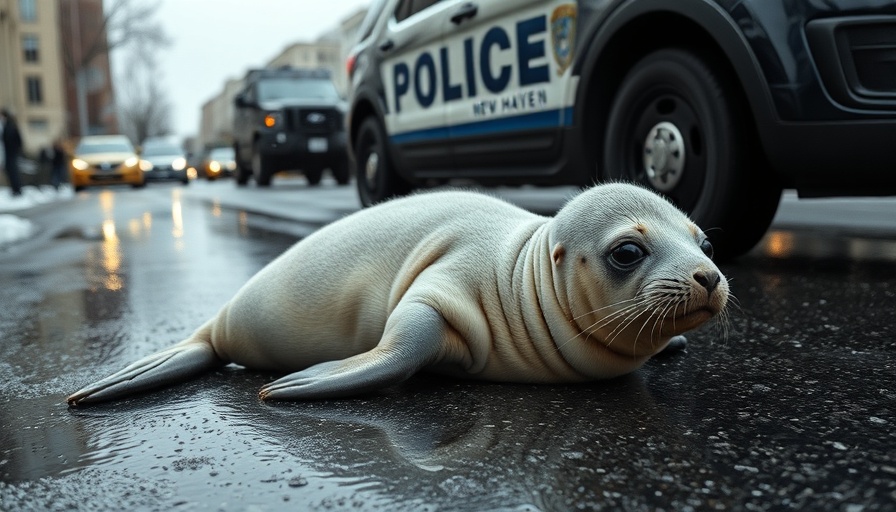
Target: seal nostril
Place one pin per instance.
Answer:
(707, 279)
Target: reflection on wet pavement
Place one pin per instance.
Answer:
(790, 245)
(794, 409)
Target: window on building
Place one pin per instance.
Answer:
(35, 90)
(38, 125)
(28, 10)
(30, 48)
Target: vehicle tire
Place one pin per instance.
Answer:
(341, 173)
(314, 176)
(375, 176)
(261, 168)
(242, 173)
(677, 127)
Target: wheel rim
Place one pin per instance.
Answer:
(669, 127)
(664, 156)
(371, 169)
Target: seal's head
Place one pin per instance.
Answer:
(631, 270)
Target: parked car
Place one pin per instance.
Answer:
(716, 104)
(195, 161)
(289, 119)
(163, 159)
(105, 160)
(219, 162)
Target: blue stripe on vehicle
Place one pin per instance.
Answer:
(420, 135)
(546, 119)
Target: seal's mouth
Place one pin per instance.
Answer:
(688, 321)
(705, 312)
(641, 336)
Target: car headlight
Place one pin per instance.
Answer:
(132, 162)
(214, 166)
(179, 164)
(80, 165)
(272, 119)
(145, 165)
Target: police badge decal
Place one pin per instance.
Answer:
(563, 35)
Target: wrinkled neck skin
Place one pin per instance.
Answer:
(561, 295)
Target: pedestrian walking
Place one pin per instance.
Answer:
(57, 163)
(12, 147)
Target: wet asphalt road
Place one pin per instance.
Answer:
(794, 409)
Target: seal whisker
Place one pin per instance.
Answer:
(657, 323)
(656, 310)
(735, 303)
(724, 322)
(628, 320)
(615, 304)
(622, 327)
(629, 317)
(643, 301)
(675, 314)
(594, 327)
(653, 308)
(621, 312)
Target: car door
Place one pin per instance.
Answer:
(244, 124)
(507, 83)
(415, 117)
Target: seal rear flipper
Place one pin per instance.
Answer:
(412, 340)
(175, 364)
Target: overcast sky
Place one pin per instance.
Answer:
(213, 40)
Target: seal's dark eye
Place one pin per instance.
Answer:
(706, 247)
(626, 255)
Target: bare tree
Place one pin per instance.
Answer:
(144, 110)
(95, 28)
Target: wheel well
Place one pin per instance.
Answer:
(629, 45)
(361, 111)
(251, 152)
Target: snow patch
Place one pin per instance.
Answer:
(14, 228)
(32, 196)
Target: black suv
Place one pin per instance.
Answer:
(289, 119)
(718, 104)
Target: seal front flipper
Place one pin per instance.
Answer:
(175, 364)
(676, 344)
(411, 341)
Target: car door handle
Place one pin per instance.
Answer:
(466, 11)
(386, 45)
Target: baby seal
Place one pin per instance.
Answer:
(459, 283)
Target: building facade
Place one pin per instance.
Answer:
(217, 118)
(31, 71)
(312, 55)
(42, 49)
(88, 79)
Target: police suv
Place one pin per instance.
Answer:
(289, 119)
(718, 104)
